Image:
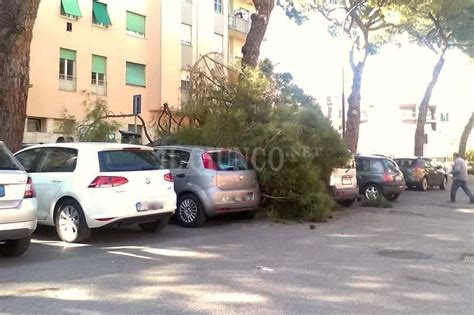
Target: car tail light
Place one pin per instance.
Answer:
(387, 177)
(108, 181)
(208, 162)
(29, 189)
(168, 177)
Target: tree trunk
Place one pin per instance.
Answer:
(353, 113)
(260, 19)
(423, 108)
(17, 18)
(465, 136)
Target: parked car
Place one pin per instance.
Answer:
(422, 173)
(343, 184)
(379, 176)
(18, 205)
(209, 182)
(83, 186)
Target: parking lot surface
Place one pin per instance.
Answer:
(417, 257)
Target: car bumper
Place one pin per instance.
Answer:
(217, 201)
(18, 230)
(344, 193)
(394, 189)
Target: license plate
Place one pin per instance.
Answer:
(398, 178)
(249, 196)
(347, 181)
(2, 191)
(148, 206)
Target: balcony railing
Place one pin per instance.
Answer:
(99, 87)
(239, 24)
(67, 82)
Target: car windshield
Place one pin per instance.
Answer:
(7, 161)
(230, 161)
(128, 160)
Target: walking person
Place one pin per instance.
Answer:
(460, 178)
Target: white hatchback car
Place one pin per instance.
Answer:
(17, 206)
(81, 186)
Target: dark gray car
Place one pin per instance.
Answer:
(209, 182)
(379, 176)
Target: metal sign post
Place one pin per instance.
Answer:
(137, 109)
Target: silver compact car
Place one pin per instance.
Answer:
(17, 206)
(209, 182)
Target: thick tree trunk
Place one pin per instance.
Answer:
(260, 19)
(465, 136)
(17, 18)
(353, 113)
(423, 108)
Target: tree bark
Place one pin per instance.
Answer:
(17, 18)
(423, 108)
(351, 136)
(465, 136)
(260, 19)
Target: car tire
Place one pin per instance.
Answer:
(443, 184)
(392, 197)
(372, 192)
(70, 222)
(423, 186)
(189, 212)
(346, 203)
(154, 226)
(13, 248)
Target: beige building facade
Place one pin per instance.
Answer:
(113, 50)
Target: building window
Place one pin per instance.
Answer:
(70, 8)
(131, 128)
(135, 24)
(218, 43)
(34, 125)
(67, 65)
(135, 74)
(445, 117)
(186, 34)
(100, 14)
(218, 6)
(98, 74)
(185, 81)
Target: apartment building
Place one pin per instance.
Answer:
(117, 49)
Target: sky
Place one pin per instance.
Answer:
(393, 76)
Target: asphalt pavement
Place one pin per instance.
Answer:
(417, 257)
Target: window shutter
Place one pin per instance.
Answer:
(98, 64)
(135, 74)
(135, 23)
(71, 7)
(67, 54)
(101, 14)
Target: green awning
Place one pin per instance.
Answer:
(67, 54)
(135, 74)
(101, 14)
(71, 7)
(135, 23)
(98, 64)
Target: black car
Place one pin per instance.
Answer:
(379, 176)
(422, 173)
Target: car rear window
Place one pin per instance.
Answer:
(128, 161)
(405, 162)
(230, 161)
(390, 166)
(7, 161)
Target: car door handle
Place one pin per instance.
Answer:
(182, 175)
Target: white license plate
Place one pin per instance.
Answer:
(398, 178)
(149, 206)
(347, 181)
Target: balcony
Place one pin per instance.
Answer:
(67, 82)
(238, 27)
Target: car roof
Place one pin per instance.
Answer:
(372, 156)
(95, 146)
(193, 147)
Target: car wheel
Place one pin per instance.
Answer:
(423, 185)
(154, 226)
(71, 223)
(443, 183)
(14, 248)
(347, 202)
(190, 212)
(392, 197)
(372, 192)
